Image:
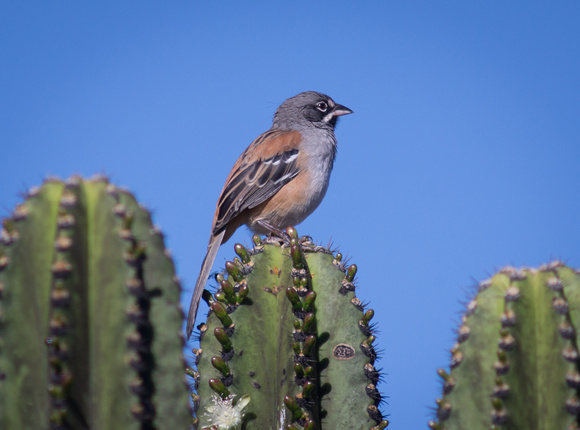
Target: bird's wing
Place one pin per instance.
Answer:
(270, 162)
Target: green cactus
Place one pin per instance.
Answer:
(89, 314)
(90, 333)
(287, 340)
(515, 363)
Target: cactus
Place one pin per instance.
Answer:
(90, 333)
(89, 314)
(286, 345)
(515, 363)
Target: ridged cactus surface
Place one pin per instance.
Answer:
(515, 363)
(287, 339)
(89, 316)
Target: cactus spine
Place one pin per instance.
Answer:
(287, 337)
(515, 363)
(89, 326)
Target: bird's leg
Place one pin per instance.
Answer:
(274, 230)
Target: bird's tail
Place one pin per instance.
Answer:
(212, 249)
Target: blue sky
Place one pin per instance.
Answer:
(462, 156)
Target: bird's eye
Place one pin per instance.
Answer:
(321, 106)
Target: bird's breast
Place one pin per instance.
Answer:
(298, 198)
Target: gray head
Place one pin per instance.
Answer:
(308, 109)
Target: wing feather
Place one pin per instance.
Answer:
(268, 164)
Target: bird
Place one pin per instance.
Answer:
(279, 180)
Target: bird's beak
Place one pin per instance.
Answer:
(340, 110)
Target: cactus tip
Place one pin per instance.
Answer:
(242, 252)
(351, 272)
(292, 232)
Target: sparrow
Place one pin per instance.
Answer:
(279, 179)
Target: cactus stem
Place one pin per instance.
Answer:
(292, 232)
(242, 293)
(242, 252)
(351, 273)
(309, 345)
(234, 271)
(296, 348)
(219, 387)
(297, 257)
(222, 314)
(309, 321)
(308, 389)
(257, 240)
(223, 339)
(347, 283)
(381, 426)
(368, 315)
(299, 370)
(220, 297)
(221, 366)
(228, 291)
(292, 405)
(294, 299)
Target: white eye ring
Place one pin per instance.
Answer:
(321, 106)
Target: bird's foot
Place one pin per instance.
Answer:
(275, 233)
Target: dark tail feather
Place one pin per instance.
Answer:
(212, 249)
